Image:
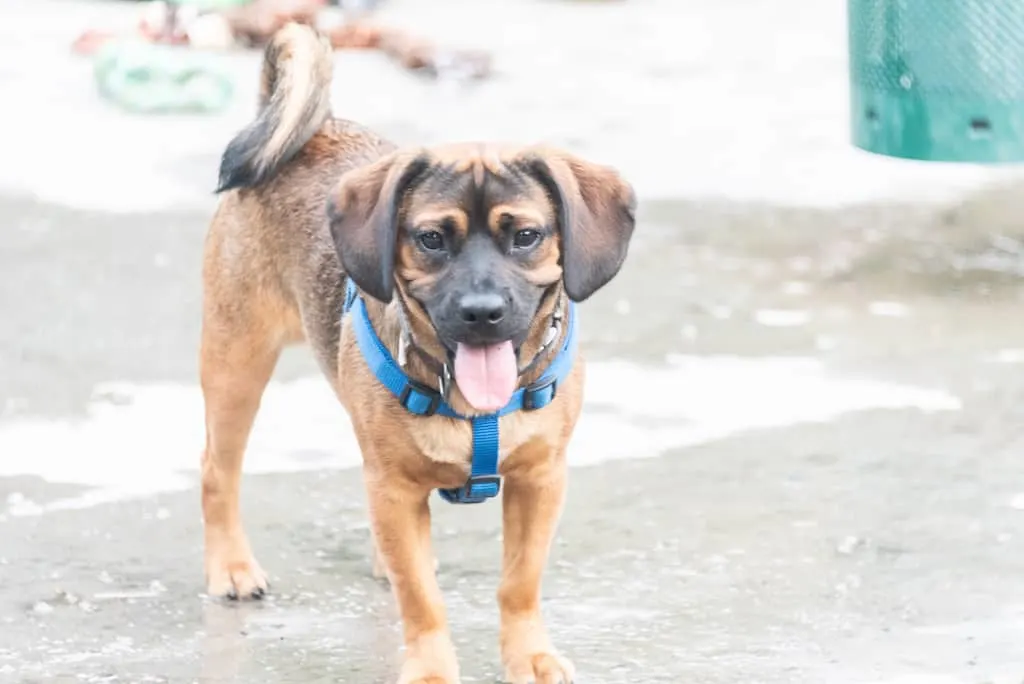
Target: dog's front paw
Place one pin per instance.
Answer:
(539, 668)
(528, 655)
(422, 672)
(232, 571)
(430, 660)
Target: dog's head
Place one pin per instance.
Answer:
(476, 237)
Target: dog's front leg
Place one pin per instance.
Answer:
(400, 516)
(532, 501)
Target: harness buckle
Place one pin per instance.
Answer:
(351, 293)
(413, 396)
(444, 382)
(536, 395)
(478, 488)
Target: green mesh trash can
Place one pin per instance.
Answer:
(938, 80)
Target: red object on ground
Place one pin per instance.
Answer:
(90, 41)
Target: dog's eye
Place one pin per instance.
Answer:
(431, 240)
(526, 238)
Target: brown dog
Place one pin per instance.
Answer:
(465, 257)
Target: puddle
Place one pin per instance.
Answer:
(139, 440)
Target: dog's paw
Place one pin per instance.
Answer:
(430, 660)
(422, 673)
(232, 572)
(539, 668)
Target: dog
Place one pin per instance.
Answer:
(455, 269)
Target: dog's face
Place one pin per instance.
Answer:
(478, 250)
(476, 237)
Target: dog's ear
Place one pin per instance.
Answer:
(363, 214)
(596, 212)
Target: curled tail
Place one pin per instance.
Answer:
(294, 103)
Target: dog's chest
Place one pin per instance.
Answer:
(451, 441)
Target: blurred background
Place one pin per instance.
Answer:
(800, 456)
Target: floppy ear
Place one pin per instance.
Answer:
(363, 214)
(596, 211)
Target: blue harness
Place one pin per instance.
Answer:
(484, 482)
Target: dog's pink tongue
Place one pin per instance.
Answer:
(486, 376)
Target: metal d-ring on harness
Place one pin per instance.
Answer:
(484, 482)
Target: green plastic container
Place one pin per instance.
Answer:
(938, 80)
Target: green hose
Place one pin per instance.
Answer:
(150, 78)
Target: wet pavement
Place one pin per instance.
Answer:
(800, 458)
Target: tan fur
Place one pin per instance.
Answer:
(272, 277)
(520, 216)
(431, 217)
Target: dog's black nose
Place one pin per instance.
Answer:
(482, 309)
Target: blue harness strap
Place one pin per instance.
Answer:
(484, 482)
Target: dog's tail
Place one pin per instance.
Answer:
(294, 104)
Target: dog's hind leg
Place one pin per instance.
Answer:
(242, 338)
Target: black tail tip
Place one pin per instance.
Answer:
(239, 166)
(235, 175)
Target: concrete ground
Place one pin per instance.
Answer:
(800, 458)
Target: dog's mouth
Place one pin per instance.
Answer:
(486, 374)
